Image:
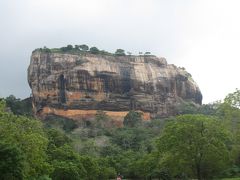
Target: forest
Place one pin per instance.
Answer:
(201, 142)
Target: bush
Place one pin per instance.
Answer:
(132, 119)
(84, 47)
(66, 49)
(120, 52)
(18, 106)
(94, 50)
(53, 121)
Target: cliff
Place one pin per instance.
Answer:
(77, 85)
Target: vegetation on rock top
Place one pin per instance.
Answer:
(85, 49)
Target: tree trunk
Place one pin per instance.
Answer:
(199, 177)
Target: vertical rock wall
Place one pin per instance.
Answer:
(76, 86)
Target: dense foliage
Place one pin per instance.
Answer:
(195, 146)
(24, 140)
(201, 143)
(18, 106)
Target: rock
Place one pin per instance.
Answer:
(77, 85)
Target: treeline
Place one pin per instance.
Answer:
(201, 143)
(81, 49)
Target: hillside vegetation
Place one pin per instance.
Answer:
(200, 143)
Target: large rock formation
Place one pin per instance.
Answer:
(77, 85)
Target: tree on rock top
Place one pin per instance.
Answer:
(94, 50)
(84, 47)
(120, 52)
(68, 48)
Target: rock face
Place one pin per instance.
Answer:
(76, 86)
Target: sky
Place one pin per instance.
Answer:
(201, 35)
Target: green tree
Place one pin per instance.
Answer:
(66, 162)
(210, 109)
(63, 49)
(2, 106)
(18, 106)
(120, 52)
(46, 50)
(147, 167)
(57, 138)
(76, 47)
(229, 111)
(103, 52)
(28, 135)
(103, 120)
(94, 50)
(84, 47)
(147, 53)
(106, 171)
(58, 122)
(187, 108)
(69, 47)
(11, 162)
(194, 145)
(131, 138)
(233, 99)
(91, 166)
(66, 171)
(132, 119)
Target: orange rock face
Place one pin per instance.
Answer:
(76, 86)
(89, 114)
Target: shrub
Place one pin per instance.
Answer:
(120, 52)
(84, 47)
(132, 119)
(94, 50)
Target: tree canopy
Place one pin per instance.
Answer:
(94, 50)
(28, 136)
(84, 47)
(132, 119)
(120, 52)
(195, 145)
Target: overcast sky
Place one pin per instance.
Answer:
(201, 35)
